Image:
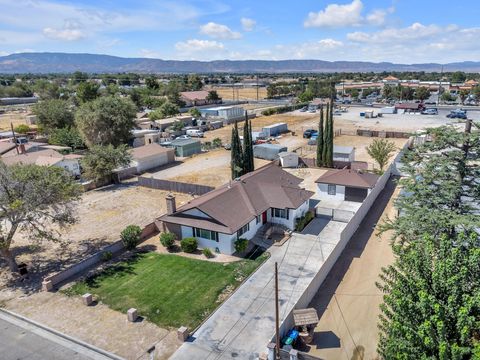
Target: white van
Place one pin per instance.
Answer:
(195, 133)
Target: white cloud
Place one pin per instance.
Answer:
(335, 15)
(67, 33)
(413, 32)
(195, 45)
(248, 24)
(219, 31)
(330, 43)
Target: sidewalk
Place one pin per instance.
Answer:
(243, 326)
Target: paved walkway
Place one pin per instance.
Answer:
(243, 326)
(348, 300)
(20, 340)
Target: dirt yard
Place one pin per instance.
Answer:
(211, 169)
(241, 93)
(102, 215)
(13, 117)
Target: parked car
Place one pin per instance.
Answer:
(227, 147)
(307, 134)
(312, 111)
(183, 137)
(430, 111)
(195, 133)
(457, 114)
(303, 109)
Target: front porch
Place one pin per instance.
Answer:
(271, 234)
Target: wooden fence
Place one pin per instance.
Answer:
(174, 186)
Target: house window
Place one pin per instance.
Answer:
(243, 230)
(259, 219)
(280, 213)
(332, 189)
(205, 234)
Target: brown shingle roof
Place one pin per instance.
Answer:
(348, 177)
(233, 205)
(148, 150)
(194, 95)
(30, 157)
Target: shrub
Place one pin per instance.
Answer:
(22, 129)
(189, 245)
(167, 239)
(303, 221)
(217, 142)
(207, 252)
(131, 236)
(241, 245)
(106, 256)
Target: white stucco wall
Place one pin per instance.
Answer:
(322, 191)
(150, 162)
(224, 244)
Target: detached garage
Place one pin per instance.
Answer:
(346, 184)
(151, 156)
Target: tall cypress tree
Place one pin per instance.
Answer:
(248, 162)
(320, 142)
(236, 162)
(325, 137)
(329, 145)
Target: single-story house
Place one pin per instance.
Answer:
(186, 147)
(346, 184)
(343, 153)
(288, 159)
(151, 156)
(46, 157)
(239, 209)
(194, 98)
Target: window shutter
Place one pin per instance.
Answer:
(288, 212)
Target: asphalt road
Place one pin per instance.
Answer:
(20, 340)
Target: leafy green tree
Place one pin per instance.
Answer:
(87, 91)
(431, 292)
(195, 112)
(130, 236)
(447, 97)
(306, 96)
(236, 162)
(53, 114)
(68, 136)
(194, 82)
(106, 120)
(78, 77)
(248, 160)
(47, 90)
(381, 150)
(152, 83)
(100, 161)
(213, 96)
(458, 77)
(463, 94)
(166, 110)
(422, 93)
(320, 143)
(432, 299)
(31, 198)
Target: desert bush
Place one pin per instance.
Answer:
(241, 245)
(131, 236)
(207, 252)
(167, 239)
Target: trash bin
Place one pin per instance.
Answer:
(22, 269)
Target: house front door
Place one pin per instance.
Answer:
(264, 217)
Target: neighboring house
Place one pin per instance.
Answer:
(239, 209)
(151, 156)
(345, 184)
(47, 157)
(194, 98)
(226, 113)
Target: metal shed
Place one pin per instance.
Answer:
(288, 159)
(343, 153)
(268, 151)
(186, 147)
(275, 129)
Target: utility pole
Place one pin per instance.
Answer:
(277, 320)
(14, 138)
(257, 87)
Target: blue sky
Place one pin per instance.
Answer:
(402, 31)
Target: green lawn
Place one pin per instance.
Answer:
(168, 290)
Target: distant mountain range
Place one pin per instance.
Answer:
(92, 63)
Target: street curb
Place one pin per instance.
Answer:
(61, 335)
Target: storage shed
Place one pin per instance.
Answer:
(288, 159)
(186, 147)
(268, 151)
(343, 153)
(275, 129)
(151, 156)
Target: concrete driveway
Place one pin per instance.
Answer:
(348, 300)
